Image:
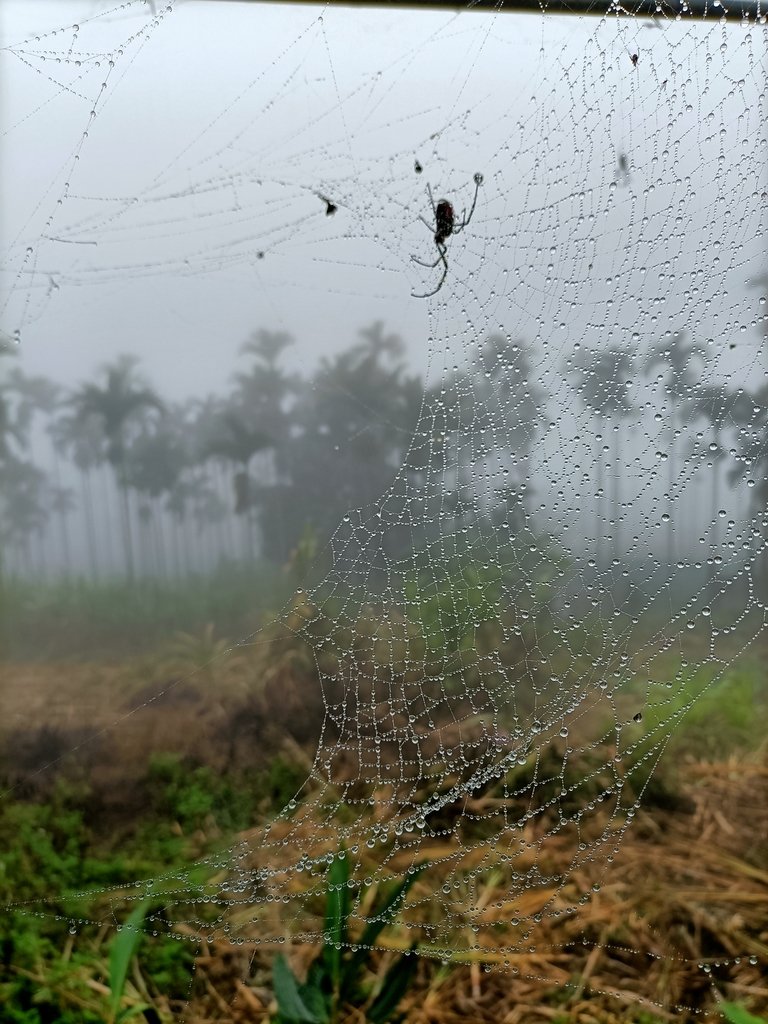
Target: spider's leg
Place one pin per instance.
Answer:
(427, 225)
(432, 201)
(426, 295)
(423, 263)
(478, 182)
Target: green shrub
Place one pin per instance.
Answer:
(191, 795)
(337, 977)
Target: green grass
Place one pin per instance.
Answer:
(81, 620)
(59, 843)
(51, 850)
(121, 952)
(337, 977)
(48, 853)
(713, 717)
(736, 1014)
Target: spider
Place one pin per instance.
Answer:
(445, 225)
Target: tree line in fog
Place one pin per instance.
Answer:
(130, 483)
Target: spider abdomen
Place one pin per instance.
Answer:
(445, 226)
(444, 220)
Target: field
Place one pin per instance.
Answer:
(164, 745)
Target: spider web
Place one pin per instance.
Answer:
(493, 637)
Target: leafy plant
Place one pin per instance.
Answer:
(335, 978)
(190, 794)
(110, 618)
(280, 782)
(447, 612)
(736, 702)
(121, 953)
(736, 1014)
(457, 604)
(48, 852)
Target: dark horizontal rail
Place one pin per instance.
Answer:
(661, 10)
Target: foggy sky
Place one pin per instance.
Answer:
(336, 101)
(148, 162)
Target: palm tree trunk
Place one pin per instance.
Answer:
(187, 546)
(90, 525)
(250, 535)
(157, 514)
(125, 514)
(671, 482)
(225, 493)
(222, 539)
(63, 517)
(281, 538)
(190, 548)
(26, 561)
(65, 545)
(212, 533)
(615, 495)
(145, 561)
(42, 561)
(599, 499)
(713, 543)
(111, 524)
(175, 533)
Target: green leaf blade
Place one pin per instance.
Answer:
(381, 916)
(291, 1007)
(121, 951)
(736, 1014)
(336, 919)
(396, 983)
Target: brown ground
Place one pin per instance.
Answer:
(681, 915)
(680, 923)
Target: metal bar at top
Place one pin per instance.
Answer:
(660, 10)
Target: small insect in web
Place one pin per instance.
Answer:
(635, 57)
(445, 225)
(330, 207)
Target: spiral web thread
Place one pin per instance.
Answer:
(493, 637)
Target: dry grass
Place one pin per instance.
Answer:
(680, 914)
(680, 909)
